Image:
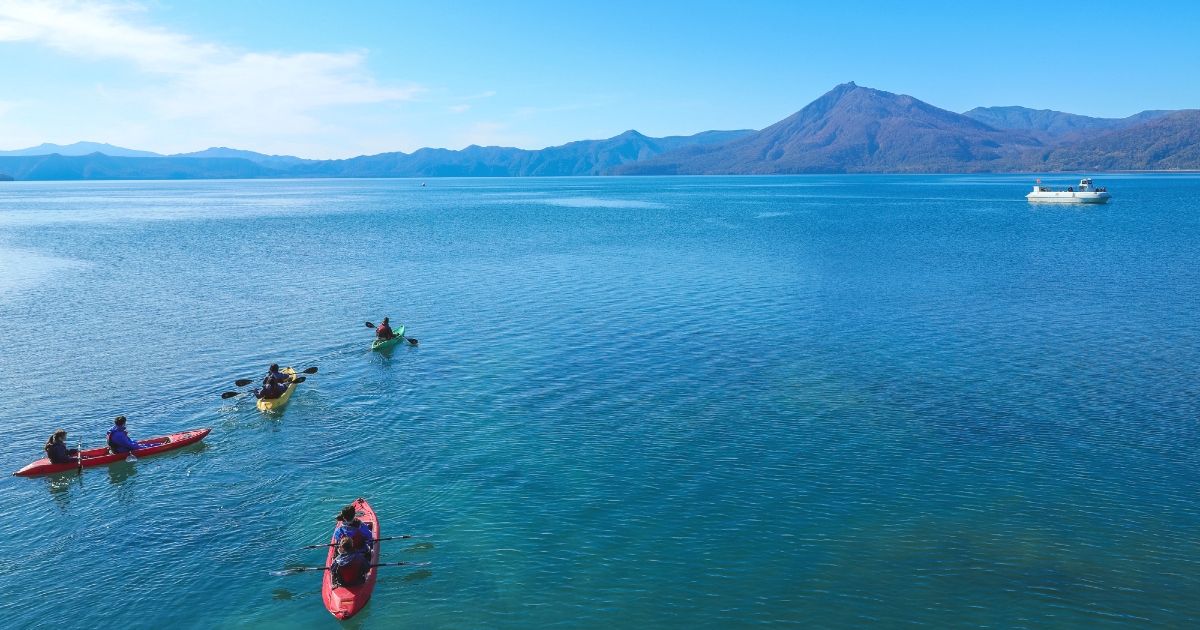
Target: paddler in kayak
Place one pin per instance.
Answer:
(57, 451)
(272, 388)
(350, 565)
(273, 372)
(384, 331)
(118, 439)
(358, 533)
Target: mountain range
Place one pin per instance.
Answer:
(850, 129)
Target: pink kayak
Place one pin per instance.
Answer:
(345, 601)
(101, 456)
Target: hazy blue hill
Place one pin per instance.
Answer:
(80, 148)
(1171, 141)
(583, 157)
(5, 177)
(272, 161)
(100, 166)
(1053, 123)
(854, 129)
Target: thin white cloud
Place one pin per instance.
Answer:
(458, 109)
(228, 90)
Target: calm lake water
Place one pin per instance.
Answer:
(822, 401)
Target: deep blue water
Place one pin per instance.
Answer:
(822, 401)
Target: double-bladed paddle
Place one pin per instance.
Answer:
(242, 382)
(412, 341)
(227, 395)
(295, 570)
(376, 540)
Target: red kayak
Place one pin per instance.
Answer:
(345, 601)
(101, 456)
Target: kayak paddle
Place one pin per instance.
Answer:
(412, 341)
(295, 570)
(240, 383)
(79, 454)
(376, 540)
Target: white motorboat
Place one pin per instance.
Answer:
(1084, 193)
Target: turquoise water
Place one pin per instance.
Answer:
(823, 401)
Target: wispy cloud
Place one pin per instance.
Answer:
(458, 109)
(225, 88)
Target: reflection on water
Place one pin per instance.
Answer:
(23, 269)
(60, 487)
(119, 472)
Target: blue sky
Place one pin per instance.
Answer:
(322, 79)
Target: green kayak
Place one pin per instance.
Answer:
(384, 344)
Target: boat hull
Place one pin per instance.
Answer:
(275, 404)
(1068, 197)
(344, 602)
(384, 344)
(101, 456)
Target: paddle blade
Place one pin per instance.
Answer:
(300, 379)
(412, 341)
(228, 395)
(370, 325)
(242, 382)
(131, 458)
(311, 370)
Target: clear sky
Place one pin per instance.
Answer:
(334, 79)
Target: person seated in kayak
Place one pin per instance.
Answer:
(57, 451)
(357, 531)
(384, 331)
(118, 440)
(280, 377)
(272, 388)
(350, 565)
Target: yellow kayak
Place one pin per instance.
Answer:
(275, 404)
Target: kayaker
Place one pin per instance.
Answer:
(354, 529)
(271, 389)
(273, 371)
(118, 439)
(350, 565)
(384, 331)
(56, 449)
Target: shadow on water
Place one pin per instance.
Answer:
(418, 575)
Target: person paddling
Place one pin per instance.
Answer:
(118, 440)
(384, 331)
(273, 372)
(350, 565)
(355, 530)
(56, 449)
(271, 389)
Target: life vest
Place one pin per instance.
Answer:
(349, 569)
(355, 531)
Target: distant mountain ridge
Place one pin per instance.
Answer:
(853, 129)
(850, 129)
(1053, 123)
(80, 148)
